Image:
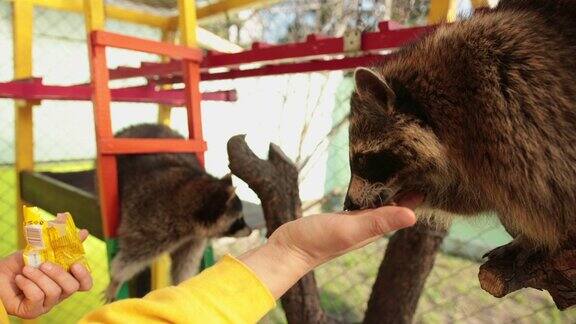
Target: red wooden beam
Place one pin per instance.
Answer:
(115, 146)
(147, 70)
(385, 38)
(102, 38)
(304, 67)
(34, 89)
(389, 36)
(279, 69)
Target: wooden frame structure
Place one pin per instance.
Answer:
(108, 147)
(30, 91)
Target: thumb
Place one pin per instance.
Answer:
(362, 228)
(383, 220)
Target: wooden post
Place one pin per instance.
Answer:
(23, 22)
(480, 4)
(94, 17)
(388, 5)
(442, 11)
(191, 71)
(408, 260)
(188, 25)
(275, 181)
(22, 26)
(106, 168)
(160, 270)
(168, 36)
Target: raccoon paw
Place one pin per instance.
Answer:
(111, 291)
(511, 249)
(514, 252)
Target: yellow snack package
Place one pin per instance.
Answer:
(54, 241)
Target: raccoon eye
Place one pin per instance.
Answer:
(377, 167)
(369, 160)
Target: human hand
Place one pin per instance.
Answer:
(299, 246)
(28, 292)
(319, 238)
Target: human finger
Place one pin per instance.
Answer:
(67, 283)
(82, 275)
(83, 234)
(364, 227)
(50, 289)
(32, 304)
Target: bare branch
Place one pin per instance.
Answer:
(503, 274)
(275, 181)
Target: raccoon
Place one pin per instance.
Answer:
(478, 116)
(169, 205)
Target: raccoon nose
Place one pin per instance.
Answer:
(349, 205)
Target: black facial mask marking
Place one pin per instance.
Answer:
(238, 225)
(376, 167)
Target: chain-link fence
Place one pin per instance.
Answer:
(304, 114)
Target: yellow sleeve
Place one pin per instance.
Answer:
(3, 314)
(228, 292)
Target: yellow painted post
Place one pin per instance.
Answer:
(216, 8)
(187, 22)
(160, 270)
(480, 4)
(23, 22)
(94, 16)
(23, 25)
(442, 11)
(163, 110)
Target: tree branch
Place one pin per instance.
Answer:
(408, 260)
(275, 181)
(503, 274)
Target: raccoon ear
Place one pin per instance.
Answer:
(369, 83)
(227, 179)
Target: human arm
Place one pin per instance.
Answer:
(300, 246)
(243, 290)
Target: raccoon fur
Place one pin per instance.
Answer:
(478, 116)
(169, 204)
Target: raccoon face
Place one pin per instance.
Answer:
(222, 215)
(238, 227)
(394, 153)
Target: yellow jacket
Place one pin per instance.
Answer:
(228, 292)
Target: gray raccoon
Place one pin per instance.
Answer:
(169, 205)
(478, 116)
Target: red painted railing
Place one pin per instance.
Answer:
(34, 89)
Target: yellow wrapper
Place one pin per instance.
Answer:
(54, 241)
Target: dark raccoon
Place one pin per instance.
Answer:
(169, 205)
(478, 116)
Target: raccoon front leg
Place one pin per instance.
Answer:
(122, 269)
(517, 253)
(133, 257)
(186, 259)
